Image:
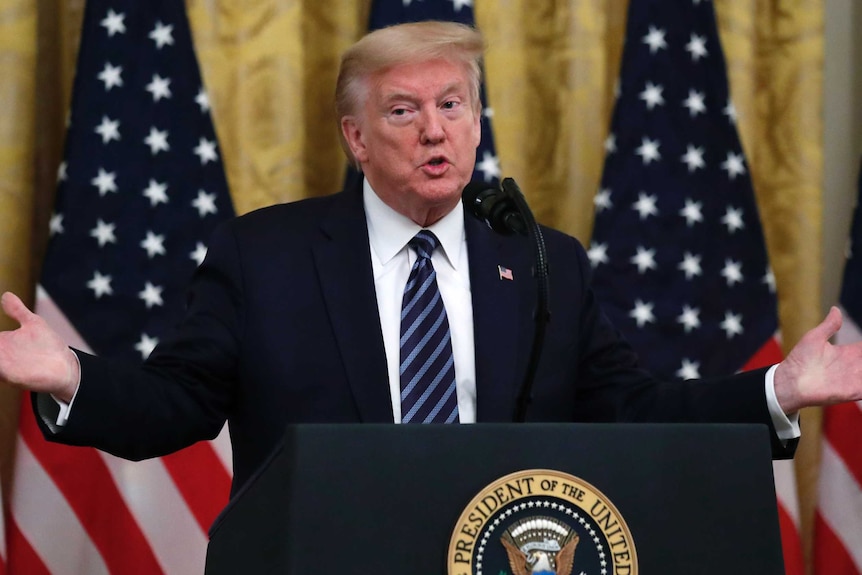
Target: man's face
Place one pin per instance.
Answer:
(416, 136)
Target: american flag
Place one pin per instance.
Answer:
(838, 520)
(678, 252)
(139, 192)
(389, 12)
(3, 554)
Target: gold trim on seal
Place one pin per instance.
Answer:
(621, 556)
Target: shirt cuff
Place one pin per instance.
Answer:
(66, 408)
(786, 426)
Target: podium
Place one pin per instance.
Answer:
(367, 499)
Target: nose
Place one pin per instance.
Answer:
(431, 128)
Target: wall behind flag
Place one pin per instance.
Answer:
(270, 66)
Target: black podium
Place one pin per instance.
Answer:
(368, 499)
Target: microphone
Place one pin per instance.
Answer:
(506, 212)
(494, 206)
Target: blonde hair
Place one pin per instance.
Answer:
(410, 43)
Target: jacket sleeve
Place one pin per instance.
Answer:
(612, 386)
(183, 392)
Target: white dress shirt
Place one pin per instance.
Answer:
(391, 260)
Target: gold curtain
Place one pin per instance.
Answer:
(551, 64)
(17, 166)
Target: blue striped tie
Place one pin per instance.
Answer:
(427, 367)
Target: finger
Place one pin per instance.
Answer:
(15, 308)
(830, 324)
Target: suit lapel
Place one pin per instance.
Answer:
(501, 308)
(347, 280)
(500, 317)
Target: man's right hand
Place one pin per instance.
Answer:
(33, 356)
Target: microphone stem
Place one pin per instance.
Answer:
(542, 313)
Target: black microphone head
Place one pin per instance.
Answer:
(493, 206)
(472, 192)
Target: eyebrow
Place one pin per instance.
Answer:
(400, 95)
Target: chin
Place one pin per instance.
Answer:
(441, 192)
(443, 200)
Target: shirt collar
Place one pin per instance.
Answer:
(389, 231)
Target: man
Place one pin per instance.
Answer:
(296, 314)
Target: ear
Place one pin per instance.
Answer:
(477, 127)
(352, 132)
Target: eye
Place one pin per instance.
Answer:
(450, 105)
(399, 111)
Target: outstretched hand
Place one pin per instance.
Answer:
(817, 372)
(33, 356)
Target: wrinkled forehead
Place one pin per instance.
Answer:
(427, 78)
(438, 77)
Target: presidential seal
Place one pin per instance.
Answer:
(541, 522)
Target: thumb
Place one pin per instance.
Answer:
(15, 308)
(830, 324)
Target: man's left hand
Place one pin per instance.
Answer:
(817, 372)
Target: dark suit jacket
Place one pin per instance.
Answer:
(282, 327)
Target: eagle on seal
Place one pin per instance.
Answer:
(540, 546)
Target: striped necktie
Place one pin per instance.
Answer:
(427, 366)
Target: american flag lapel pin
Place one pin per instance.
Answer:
(505, 273)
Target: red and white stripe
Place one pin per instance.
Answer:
(79, 511)
(3, 554)
(785, 479)
(838, 520)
